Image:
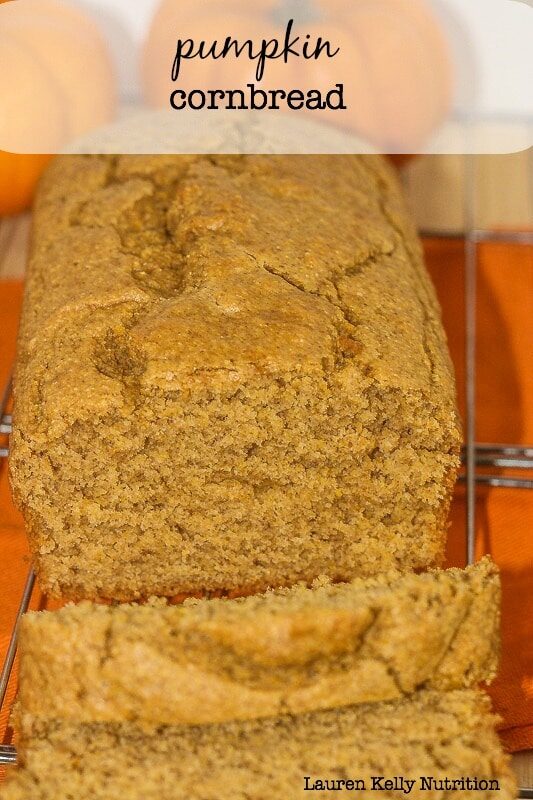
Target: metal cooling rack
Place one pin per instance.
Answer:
(474, 454)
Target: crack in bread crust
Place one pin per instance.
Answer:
(228, 366)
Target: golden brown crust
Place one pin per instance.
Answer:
(232, 373)
(290, 651)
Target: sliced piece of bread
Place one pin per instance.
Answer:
(288, 651)
(442, 738)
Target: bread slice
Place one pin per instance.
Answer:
(288, 651)
(444, 739)
(232, 374)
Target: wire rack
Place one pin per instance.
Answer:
(474, 454)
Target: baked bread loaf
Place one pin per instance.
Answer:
(232, 374)
(294, 650)
(446, 738)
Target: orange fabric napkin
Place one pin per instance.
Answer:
(505, 414)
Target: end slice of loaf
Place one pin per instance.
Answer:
(288, 651)
(442, 737)
(232, 374)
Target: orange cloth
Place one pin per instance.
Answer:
(505, 414)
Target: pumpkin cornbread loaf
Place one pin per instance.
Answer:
(446, 738)
(293, 650)
(232, 375)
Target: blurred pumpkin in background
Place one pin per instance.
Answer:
(57, 81)
(18, 177)
(409, 70)
(393, 61)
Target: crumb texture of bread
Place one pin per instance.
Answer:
(232, 374)
(442, 736)
(289, 651)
